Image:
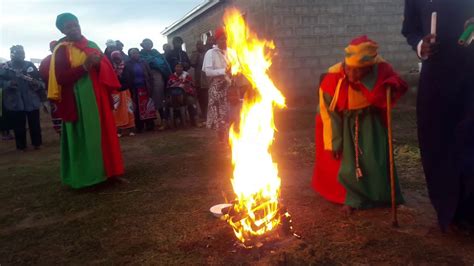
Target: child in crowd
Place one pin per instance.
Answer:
(181, 80)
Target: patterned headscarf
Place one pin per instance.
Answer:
(63, 18)
(362, 52)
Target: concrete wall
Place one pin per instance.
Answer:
(310, 35)
(192, 32)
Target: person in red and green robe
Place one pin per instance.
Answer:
(81, 80)
(352, 156)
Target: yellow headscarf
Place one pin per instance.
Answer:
(362, 52)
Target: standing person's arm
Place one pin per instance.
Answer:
(332, 125)
(44, 69)
(65, 74)
(170, 59)
(9, 80)
(186, 62)
(127, 77)
(413, 31)
(149, 80)
(194, 59)
(412, 24)
(40, 88)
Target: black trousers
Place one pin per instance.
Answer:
(17, 121)
(445, 123)
(203, 98)
(3, 121)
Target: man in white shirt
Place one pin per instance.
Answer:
(216, 67)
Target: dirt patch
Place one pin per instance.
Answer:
(160, 215)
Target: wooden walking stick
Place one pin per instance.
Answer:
(390, 148)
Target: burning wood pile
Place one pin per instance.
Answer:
(257, 212)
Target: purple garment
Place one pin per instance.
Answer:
(139, 80)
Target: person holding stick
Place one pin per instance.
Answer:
(445, 105)
(352, 148)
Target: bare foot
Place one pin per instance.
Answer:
(120, 180)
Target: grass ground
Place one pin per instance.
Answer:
(161, 216)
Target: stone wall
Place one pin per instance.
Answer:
(310, 35)
(192, 32)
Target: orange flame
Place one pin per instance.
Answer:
(255, 179)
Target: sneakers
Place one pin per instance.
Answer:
(131, 134)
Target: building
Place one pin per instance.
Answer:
(310, 35)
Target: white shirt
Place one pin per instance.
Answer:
(215, 62)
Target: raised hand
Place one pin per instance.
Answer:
(92, 60)
(428, 47)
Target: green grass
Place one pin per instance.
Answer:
(161, 216)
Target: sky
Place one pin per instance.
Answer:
(31, 23)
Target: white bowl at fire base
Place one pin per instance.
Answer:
(216, 210)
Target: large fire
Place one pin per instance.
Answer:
(255, 178)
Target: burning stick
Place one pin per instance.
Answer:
(390, 149)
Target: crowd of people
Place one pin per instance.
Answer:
(91, 109)
(94, 98)
(149, 83)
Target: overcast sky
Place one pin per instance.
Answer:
(31, 23)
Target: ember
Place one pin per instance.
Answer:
(257, 210)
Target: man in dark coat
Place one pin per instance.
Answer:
(177, 55)
(445, 105)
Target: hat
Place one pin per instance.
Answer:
(362, 52)
(110, 43)
(61, 20)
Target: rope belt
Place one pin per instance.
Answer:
(358, 151)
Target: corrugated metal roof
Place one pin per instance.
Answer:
(194, 13)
